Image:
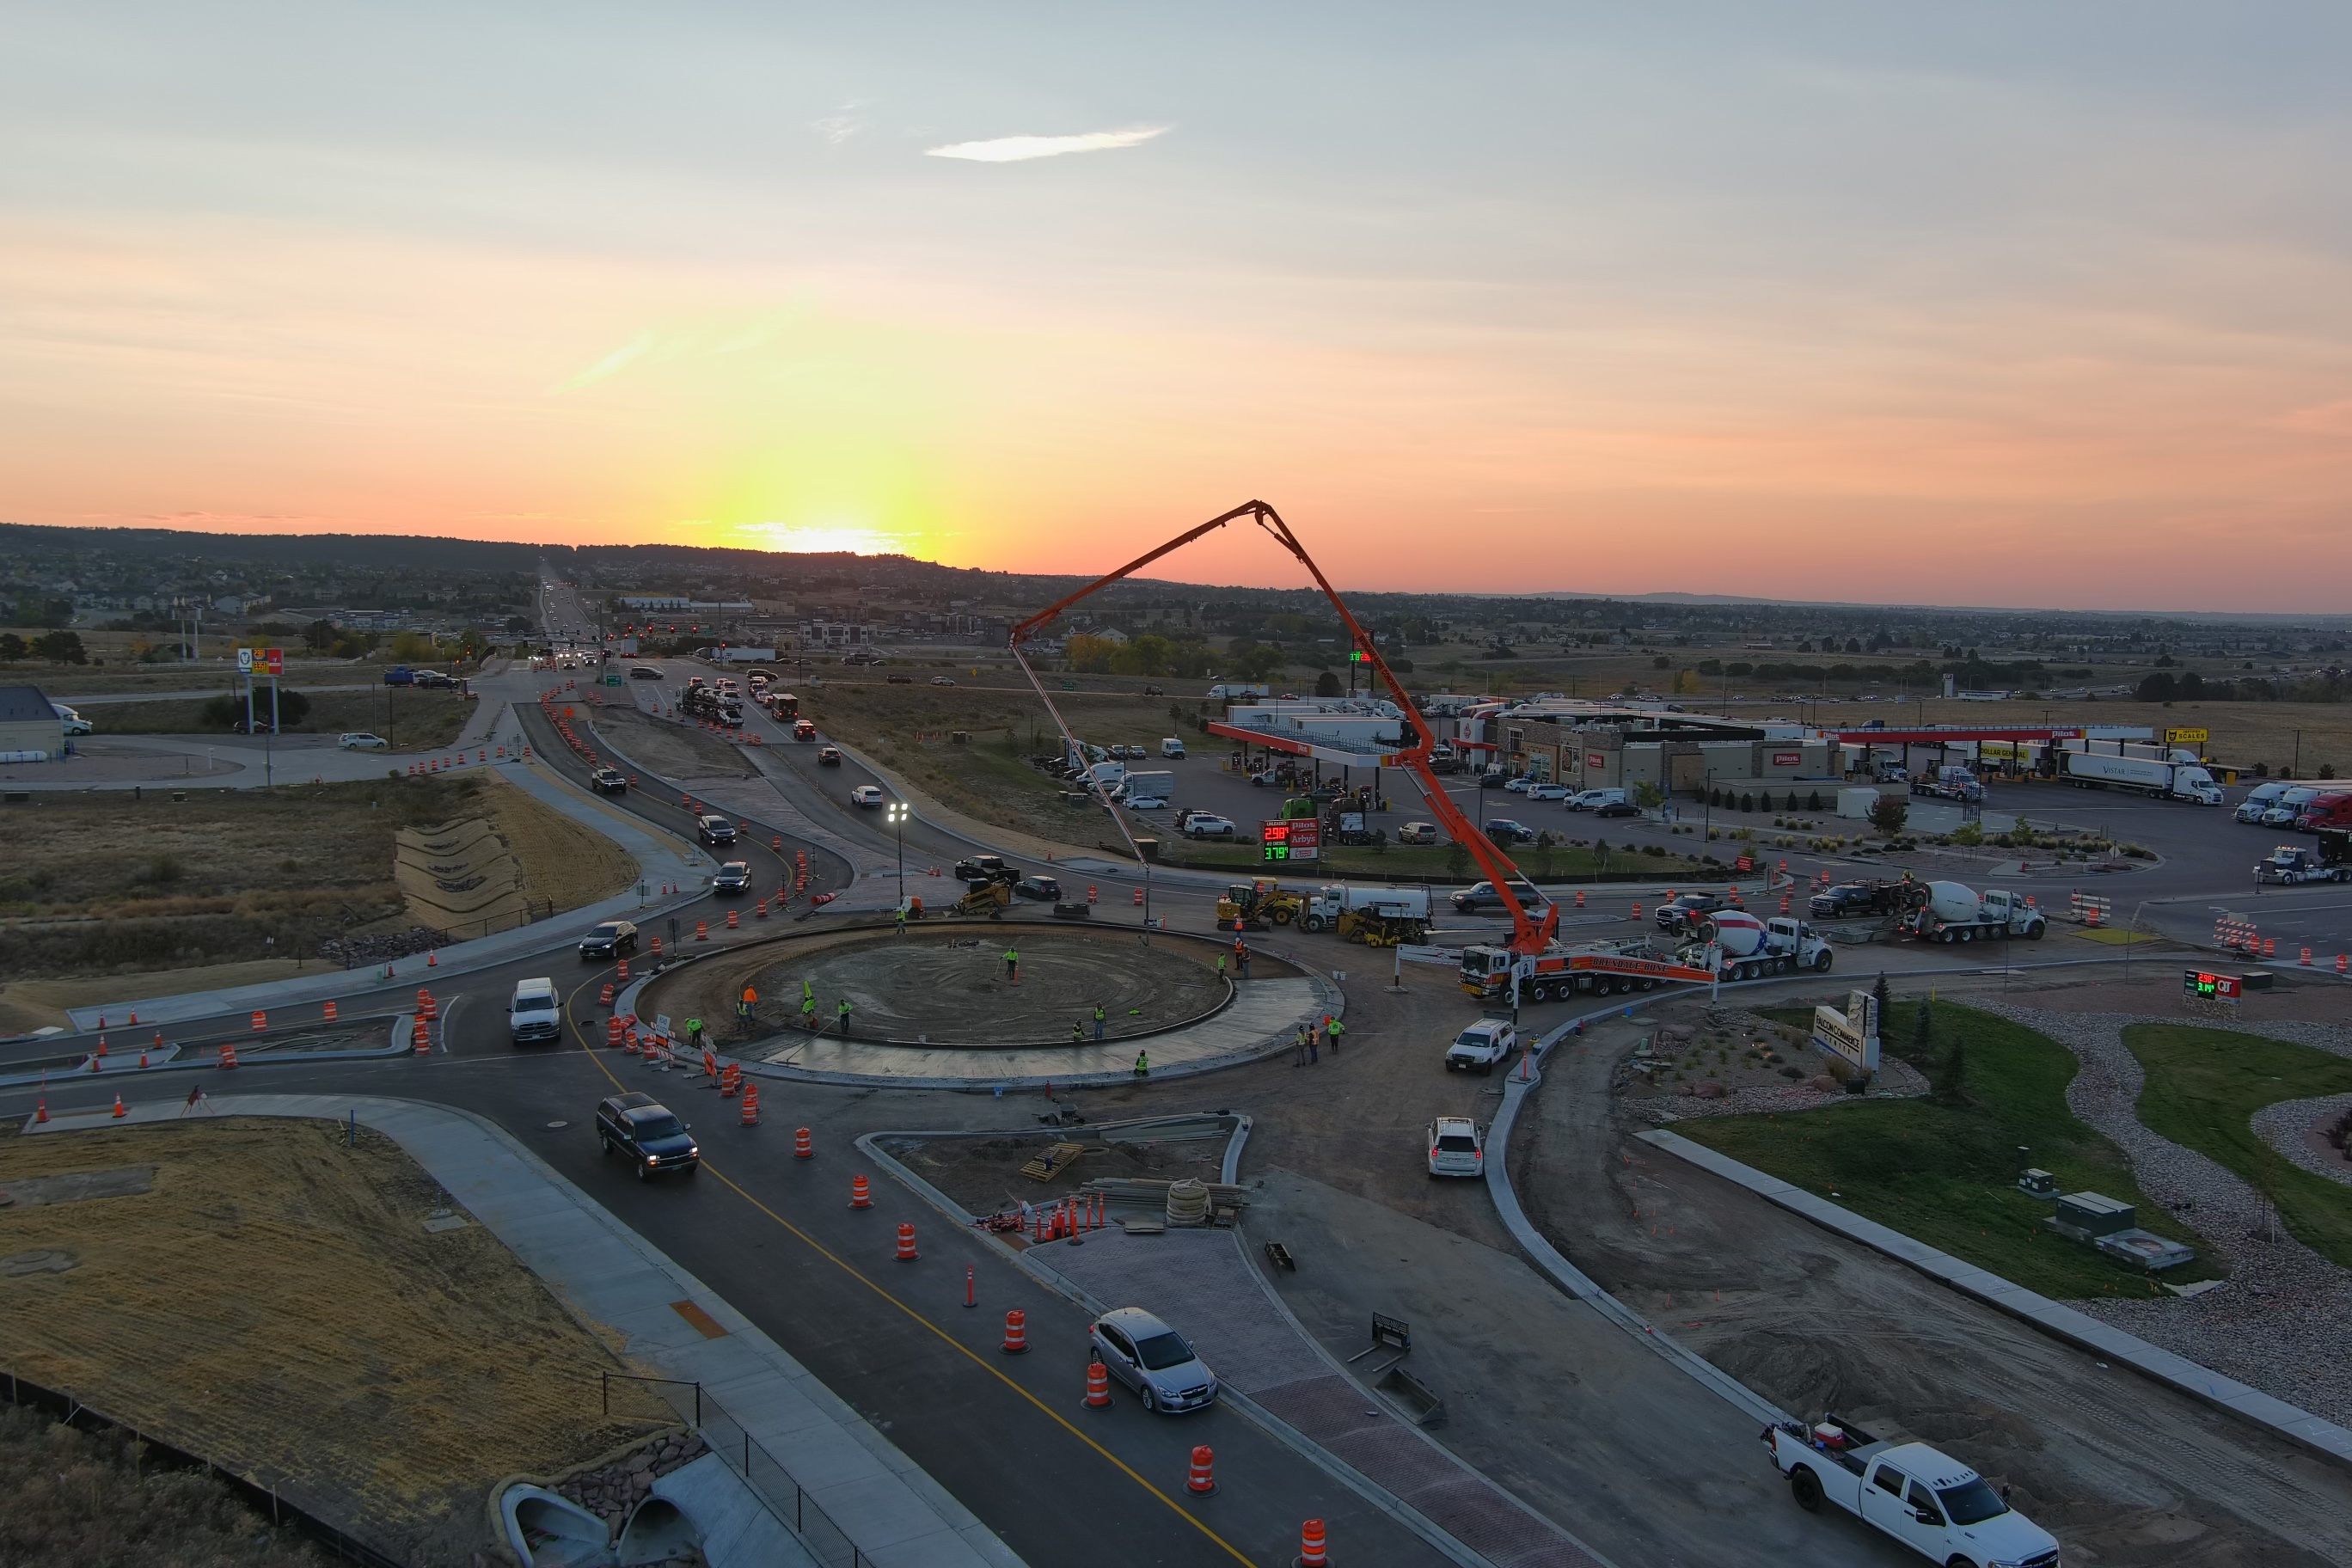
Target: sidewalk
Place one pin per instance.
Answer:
(2052, 1318)
(892, 1511)
(659, 859)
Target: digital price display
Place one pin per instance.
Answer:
(2216, 987)
(1276, 840)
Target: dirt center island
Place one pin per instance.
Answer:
(953, 987)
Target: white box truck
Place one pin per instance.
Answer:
(2141, 775)
(1149, 792)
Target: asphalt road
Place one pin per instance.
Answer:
(775, 1235)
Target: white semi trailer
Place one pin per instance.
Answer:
(2141, 775)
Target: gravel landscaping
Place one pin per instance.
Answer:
(2291, 1125)
(2277, 1322)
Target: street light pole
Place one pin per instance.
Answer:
(896, 815)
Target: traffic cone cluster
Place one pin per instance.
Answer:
(730, 1079)
(426, 1007)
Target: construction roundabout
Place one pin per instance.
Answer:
(942, 1006)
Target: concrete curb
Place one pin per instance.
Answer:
(1046, 1274)
(1329, 999)
(2054, 1319)
(1572, 1280)
(397, 1046)
(557, 1231)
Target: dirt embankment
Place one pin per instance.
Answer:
(272, 1299)
(677, 752)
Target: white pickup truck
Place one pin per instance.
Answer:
(1928, 1500)
(1481, 1046)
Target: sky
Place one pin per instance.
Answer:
(2044, 304)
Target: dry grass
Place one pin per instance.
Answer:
(79, 1498)
(420, 720)
(103, 883)
(274, 1305)
(906, 729)
(29, 1005)
(561, 859)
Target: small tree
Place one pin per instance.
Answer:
(1327, 685)
(1889, 813)
(1648, 796)
(1458, 860)
(1923, 1031)
(1885, 997)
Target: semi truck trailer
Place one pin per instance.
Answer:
(2141, 775)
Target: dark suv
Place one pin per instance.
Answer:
(647, 1134)
(735, 876)
(714, 830)
(1480, 897)
(613, 938)
(1682, 912)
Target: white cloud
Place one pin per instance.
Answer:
(1019, 149)
(841, 124)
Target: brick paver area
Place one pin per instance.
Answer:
(1200, 1282)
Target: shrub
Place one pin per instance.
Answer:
(1813, 801)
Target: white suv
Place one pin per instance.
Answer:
(1481, 1046)
(1457, 1147)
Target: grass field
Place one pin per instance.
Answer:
(1946, 1174)
(2203, 1086)
(416, 721)
(76, 1497)
(274, 1303)
(109, 884)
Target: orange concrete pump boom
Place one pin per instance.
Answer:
(1528, 934)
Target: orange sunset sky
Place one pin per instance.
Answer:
(2042, 305)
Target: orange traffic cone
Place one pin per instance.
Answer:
(750, 1105)
(41, 1110)
(118, 1111)
(906, 1241)
(229, 1053)
(860, 1195)
(1204, 1478)
(1016, 1333)
(1310, 1546)
(804, 1147)
(331, 1012)
(1098, 1386)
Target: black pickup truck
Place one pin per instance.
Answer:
(647, 1134)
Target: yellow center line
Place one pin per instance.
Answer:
(949, 1339)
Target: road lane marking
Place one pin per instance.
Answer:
(942, 1334)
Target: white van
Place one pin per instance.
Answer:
(1171, 747)
(534, 1014)
(1590, 799)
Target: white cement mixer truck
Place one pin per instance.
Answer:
(1953, 912)
(1738, 945)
